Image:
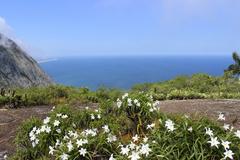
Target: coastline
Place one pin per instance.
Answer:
(46, 60)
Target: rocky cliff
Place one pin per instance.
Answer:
(17, 68)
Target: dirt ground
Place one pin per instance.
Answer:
(10, 119)
(208, 108)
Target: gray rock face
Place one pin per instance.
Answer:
(17, 68)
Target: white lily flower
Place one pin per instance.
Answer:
(111, 138)
(64, 156)
(119, 103)
(145, 149)
(226, 144)
(169, 125)
(56, 123)
(51, 150)
(145, 139)
(156, 103)
(69, 146)
(59, 115)
(151, 126)
(221, 117)
(129, 100)
(228, 154)
(226, 126)
(92, 116)
(46, 120)
(5, 157)
(64, 116)
(209, 132)
(134, 156)
(111, 157)
(125, 96)
(214, 142)
(106, 129)
(190, 129)
(83, 152)
(125, 150)
(58, 130)
(132, 146)
(81, 142)
(237, 133)
(135, 138)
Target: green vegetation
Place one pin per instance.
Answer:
(235, 68)
(130, 128)
(198, 86)
(54, 95)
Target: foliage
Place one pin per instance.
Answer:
(235, 68)
(53, 95)
(130, 128)
(197, 86)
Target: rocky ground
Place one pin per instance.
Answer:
(10, 119)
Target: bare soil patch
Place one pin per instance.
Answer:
(10, 119)
(208, 108)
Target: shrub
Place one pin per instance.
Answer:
(131, 128)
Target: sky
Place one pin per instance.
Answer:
(56, 28)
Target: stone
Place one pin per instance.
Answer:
(17, 68)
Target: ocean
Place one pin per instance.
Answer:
(124, 72)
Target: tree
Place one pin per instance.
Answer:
(234, 68)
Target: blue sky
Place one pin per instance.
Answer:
(52, 28)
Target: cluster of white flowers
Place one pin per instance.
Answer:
(135, 102)
(169, 124)
(154, 106)
(119, 103)
(96, 115)
(138, 147)
(33, 136)
(125, 96)
(111, 138)
(46, 128)
(63, 116)
(72, 141)
(215, 142)
(90, 132)
(134, 151)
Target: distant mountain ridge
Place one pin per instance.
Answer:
(17, 68)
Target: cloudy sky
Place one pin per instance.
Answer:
(123, 27)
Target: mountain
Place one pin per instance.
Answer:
(17, 68)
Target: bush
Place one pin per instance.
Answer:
(197, 86)
(132, 127)
(3, 100)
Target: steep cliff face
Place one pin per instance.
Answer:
(17, 68)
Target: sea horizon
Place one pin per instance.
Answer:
(125, 71)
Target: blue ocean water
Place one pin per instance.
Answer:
(124, 72)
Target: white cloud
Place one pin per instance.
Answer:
(6, 29)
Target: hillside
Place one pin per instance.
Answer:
(17, 68)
